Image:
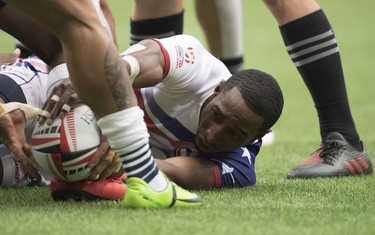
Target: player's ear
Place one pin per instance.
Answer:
(264, 133)
(218, 87)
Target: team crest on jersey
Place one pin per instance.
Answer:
(189, 56)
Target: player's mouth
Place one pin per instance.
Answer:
(202, 145)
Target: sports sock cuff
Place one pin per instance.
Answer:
(125, 129)
(234, 65)
(56, 76)
(310, 25)
(309, 39)
(156, 28)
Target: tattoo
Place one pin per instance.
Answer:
(118, 79)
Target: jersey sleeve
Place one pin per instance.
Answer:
(236, 168)
(189, 65)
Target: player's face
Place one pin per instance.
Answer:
(226, 122)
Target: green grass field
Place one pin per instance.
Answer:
(275, 205)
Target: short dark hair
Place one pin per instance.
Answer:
(261, 93)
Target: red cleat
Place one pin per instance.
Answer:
(108, 189)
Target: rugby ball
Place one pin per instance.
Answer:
(65, 148)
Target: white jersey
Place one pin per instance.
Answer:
(31, 76)
(24, 80)
(191, 75)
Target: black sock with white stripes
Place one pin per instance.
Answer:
(156, 28)
(312, 46)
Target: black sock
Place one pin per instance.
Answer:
(234, 65)
(312, 47)
(156, 28)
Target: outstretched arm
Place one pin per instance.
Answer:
(189, 172)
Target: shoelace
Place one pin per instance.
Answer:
(330, 151)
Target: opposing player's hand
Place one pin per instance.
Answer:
(105, 162)
(58, 104)
(9, 57)
(12, 135)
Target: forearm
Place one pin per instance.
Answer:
(189, 172)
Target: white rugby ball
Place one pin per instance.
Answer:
(65, 148)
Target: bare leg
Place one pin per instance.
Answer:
(151, 9)
(287, 11)
(156, 18)
(221, 21)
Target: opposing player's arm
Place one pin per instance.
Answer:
(189, 172)
(151, 63)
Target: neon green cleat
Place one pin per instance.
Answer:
(140, 195)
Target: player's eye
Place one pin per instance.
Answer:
(216, 113)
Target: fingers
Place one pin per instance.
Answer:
(100, 152)
(98, 155)
(72, 101)
(109, 164)
(26, 163)
(50, 104)
(16, 53)
(44, 115)
(12, 135)
(65, 108)
(57, 108)
(115, 166)
(60, 102)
